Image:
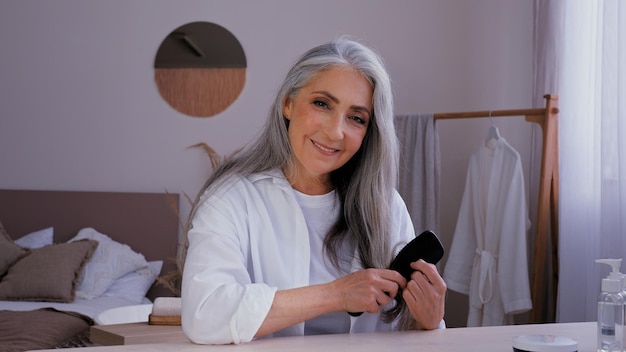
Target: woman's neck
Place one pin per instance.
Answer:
(309, 185)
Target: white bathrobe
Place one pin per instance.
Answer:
(488, 257)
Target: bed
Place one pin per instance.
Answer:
(67, 256)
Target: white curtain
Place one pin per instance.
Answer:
(581, 56)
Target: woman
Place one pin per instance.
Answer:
(297, 229)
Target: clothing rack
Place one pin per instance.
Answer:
(547, 217)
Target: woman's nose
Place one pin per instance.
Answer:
(334, 127)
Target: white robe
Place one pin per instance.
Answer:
(488, 259)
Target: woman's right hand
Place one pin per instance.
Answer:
(367, 290)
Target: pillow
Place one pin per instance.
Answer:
(47, 274)
(135, 285)
(9, 251)
(109, 262)
(36, 239)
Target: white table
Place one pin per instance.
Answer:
(481, 339)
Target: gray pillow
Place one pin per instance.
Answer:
(48, 273)
(9, 251)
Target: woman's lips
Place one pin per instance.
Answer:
(323, 148)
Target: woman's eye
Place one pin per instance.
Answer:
(321, 104)
(358, 119)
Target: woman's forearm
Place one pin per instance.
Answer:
(297, 305)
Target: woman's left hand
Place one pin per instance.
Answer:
(425, 295)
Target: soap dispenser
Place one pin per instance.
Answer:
(611, 309)
(616, 274)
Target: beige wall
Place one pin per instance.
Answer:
(79, 108)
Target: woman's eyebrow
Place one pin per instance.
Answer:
(328, 95)
(336, 100)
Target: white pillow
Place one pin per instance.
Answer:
(109, 262)
(36, 239)
(134, 285)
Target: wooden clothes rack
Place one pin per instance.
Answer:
(547, 219)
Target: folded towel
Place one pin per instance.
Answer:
(165, 311)
(166, 306)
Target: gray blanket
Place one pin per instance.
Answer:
(42, 329)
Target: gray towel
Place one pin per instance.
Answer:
(419, 169)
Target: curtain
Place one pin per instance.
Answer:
(583, 62)
(548, 24)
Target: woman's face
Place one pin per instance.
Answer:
(328, 119)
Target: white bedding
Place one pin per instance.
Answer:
(88, 307)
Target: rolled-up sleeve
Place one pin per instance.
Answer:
(220, 303)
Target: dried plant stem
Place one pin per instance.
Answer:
(172, 279)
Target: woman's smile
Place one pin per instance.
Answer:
(324, 149)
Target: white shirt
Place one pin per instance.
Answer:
(248, 240)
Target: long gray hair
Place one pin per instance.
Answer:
(366, 183)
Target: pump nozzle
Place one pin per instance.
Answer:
(615, 265)
(615, 281)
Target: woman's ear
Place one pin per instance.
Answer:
(287, 107)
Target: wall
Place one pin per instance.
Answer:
(79, 109)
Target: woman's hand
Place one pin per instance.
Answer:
(425, 295)
(368, 290)
(362, 291)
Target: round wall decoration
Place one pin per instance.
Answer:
(200, 69)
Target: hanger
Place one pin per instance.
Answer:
(494, 133)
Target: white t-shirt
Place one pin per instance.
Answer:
(320, 213)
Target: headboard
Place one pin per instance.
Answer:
(147, 222)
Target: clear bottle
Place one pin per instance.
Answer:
(615, 274)
(610, 317)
